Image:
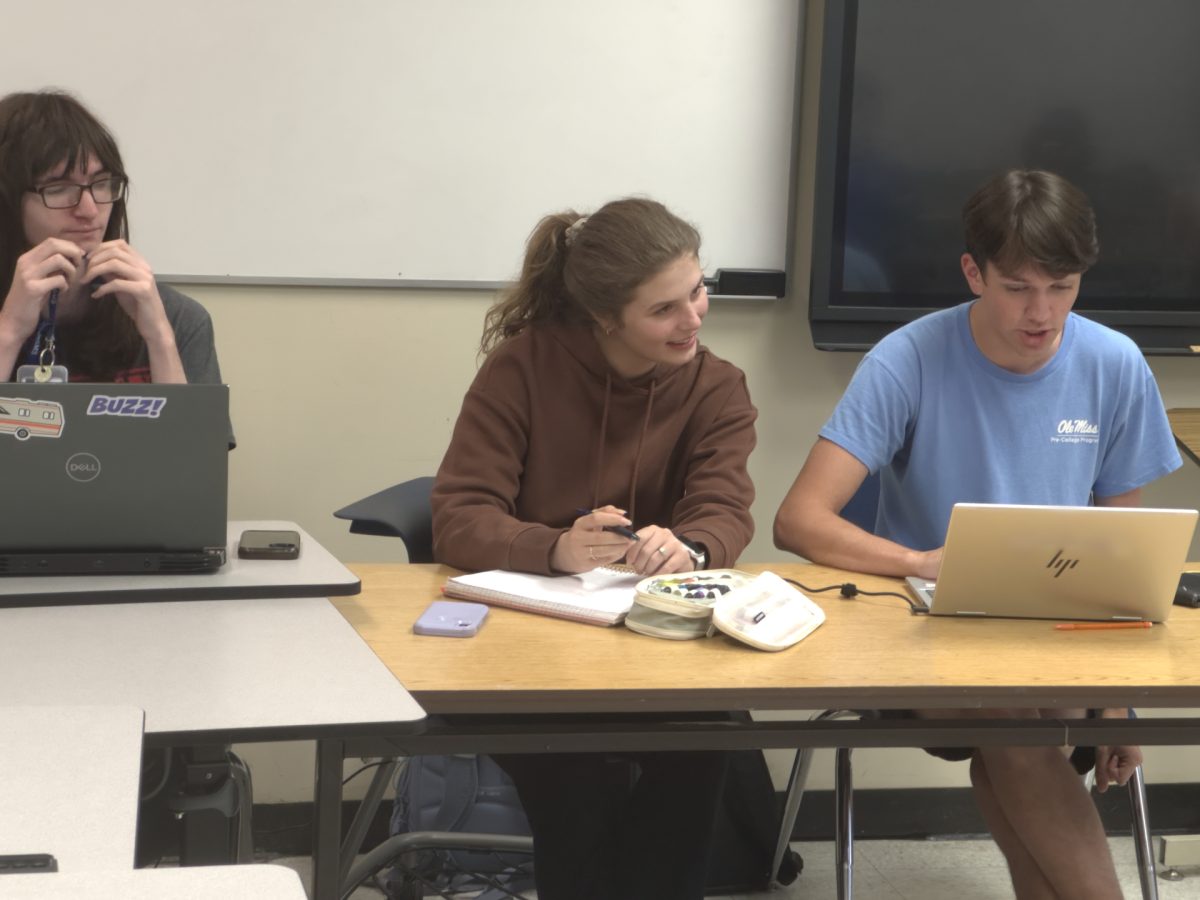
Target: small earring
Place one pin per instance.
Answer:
(608, 332)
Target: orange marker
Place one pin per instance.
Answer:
(1099, 626)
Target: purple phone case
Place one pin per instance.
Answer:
(451, 618)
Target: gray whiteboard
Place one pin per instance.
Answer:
(422, 139)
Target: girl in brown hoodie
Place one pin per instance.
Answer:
(596, 395)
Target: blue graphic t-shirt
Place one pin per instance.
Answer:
(943, 424)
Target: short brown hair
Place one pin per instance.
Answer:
(1029, 217)
(578, 269)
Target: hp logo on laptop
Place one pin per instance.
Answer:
(1060, 563)
(83, 467)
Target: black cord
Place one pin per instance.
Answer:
(356, 773)
(849, 590)
(852, 589)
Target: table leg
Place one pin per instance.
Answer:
(327, 820)
(844, 824)
(351, 847)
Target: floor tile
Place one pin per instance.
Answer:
(952, 869)
(1186, 889)
(951, 884)
(303, 867)
(889, 856)
(822, 883)
(906, 870)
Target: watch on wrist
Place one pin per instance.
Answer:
(697, 552)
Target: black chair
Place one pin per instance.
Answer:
(401, 511)
(861, 511)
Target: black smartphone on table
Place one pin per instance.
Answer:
(262, 544)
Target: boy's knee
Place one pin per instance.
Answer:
(1032, 760)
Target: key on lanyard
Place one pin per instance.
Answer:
(41, 367)
(45, 368)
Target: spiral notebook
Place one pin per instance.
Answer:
(599, 597)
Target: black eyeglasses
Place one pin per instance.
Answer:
(108, 189)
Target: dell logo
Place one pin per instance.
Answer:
(1061, 565)
(83, 467)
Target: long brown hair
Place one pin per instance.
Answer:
(38, 133)
(579, 269)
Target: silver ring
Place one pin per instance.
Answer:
(663, 550)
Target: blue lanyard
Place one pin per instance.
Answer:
(44, 336)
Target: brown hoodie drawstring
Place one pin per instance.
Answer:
(603, 436)
(637, 459)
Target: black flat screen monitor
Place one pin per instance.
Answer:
(922, 101)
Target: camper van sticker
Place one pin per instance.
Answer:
(30, 418)
(140, 407)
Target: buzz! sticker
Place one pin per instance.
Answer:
(24, 418)
(138, 407)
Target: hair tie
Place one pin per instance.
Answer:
(573, 230)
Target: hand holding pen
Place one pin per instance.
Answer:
(598, 537)
(623, 530)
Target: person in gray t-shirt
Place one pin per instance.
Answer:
(68, 275)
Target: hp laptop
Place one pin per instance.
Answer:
(1059, 562)
(112, 478)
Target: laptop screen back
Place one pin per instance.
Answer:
(1055, 562)
(100, 467)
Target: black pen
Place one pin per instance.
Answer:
(615, 529)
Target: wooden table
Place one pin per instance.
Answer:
(530, 683)
(870, 653)
(1185, 424)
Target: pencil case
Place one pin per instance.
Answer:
(763, 611)
(680, 607)
(655, 623)
(768, 613)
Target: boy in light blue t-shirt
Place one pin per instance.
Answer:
(1009, 398)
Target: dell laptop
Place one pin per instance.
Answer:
(113, 478)
(1059, 562)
